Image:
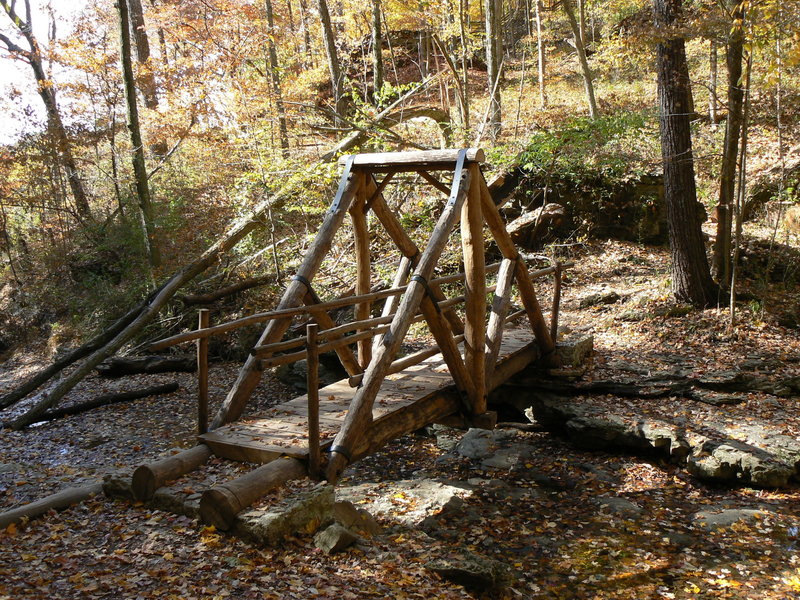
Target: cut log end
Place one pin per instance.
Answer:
(143, 483)
(148, 478)
(219, 507)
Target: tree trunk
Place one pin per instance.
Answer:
(493, 67)
(712, 82)
(586, 72)
(691, 278)
(727, 177)
(58, 501)
(275, 76)
(139, 169)
(541, 55)
(463, 15)
(377, 49)
(329, 39)
(47, 93)
(147, 80)
(306, 30)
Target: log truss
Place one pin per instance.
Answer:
(368, 347)
(361, 190)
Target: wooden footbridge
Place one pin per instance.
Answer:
(386, 395)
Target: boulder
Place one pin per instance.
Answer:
(716, 451)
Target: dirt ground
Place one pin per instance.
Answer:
(566, 523)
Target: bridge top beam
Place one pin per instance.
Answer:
(427, 160)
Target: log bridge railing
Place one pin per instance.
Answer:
(415, 295)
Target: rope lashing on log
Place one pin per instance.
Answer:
(428, 291)
(341, 450)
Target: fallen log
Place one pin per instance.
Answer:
(228, 290)
(148, 478)
(220, 505)
(36, 380)
(59, 501)
(120, 366)
(106, 400)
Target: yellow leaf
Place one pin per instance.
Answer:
(12, 529)
(168, 556)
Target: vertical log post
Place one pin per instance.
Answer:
(500, 307)
(556, 302)
(202, 373)
(475, 286)
(312, 386)
(361, 311)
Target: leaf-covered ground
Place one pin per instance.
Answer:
(569, 524)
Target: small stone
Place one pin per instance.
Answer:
(334, 538)
(575, 349)
(476, 443)
(621, 506)
(118, 485)
(472, 571)
(716, 518)
(607, 297)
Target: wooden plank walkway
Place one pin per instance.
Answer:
(282, 430)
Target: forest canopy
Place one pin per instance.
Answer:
(144, 129)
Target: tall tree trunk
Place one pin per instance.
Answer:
(139, 170)
(306, 30)
(493, 34)
(377, 48)
(582, 21)
(329, 40)
(541, 55)
(463, 13)
(275, 75)
(712, 82)
(691, 278)
(586, 72)
(147, 79)
(47, 93)
(733, 126)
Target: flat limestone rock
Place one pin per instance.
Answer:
(713, 450)
(299, 513)
(407, 502)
